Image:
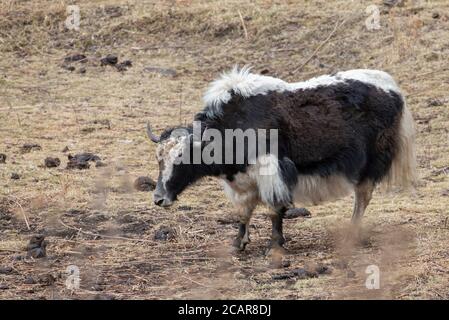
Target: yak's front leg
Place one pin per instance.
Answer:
(242, 238)
(277, 236)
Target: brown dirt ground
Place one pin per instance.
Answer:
(93, 219)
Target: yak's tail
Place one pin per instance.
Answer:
(403, 173)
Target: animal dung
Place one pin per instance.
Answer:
(81, 160)
(123, 66)
(6, 270)
(68, 67)
(15, 176)
(299, 273)
(75, 58)
(37, 247)
(110, 60)
(52, 162)
(164, 233)
(144, 184)
(294, 213)
(28, 147)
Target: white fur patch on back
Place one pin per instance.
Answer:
(241, 82)
(377, 78)
(247, 84)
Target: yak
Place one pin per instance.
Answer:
(335, 134)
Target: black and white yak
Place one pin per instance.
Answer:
(337, 134)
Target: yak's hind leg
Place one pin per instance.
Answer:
(363, 194)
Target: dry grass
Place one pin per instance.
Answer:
(43, 103)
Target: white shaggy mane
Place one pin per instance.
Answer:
(241, 82)
(246, 84)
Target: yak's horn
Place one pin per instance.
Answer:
(151, 135)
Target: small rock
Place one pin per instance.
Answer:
(2, 158)
(282, 276)
(28, 147)
(80, 165)
(29, 280)
(81, 160)
(435, 15)
(434, 102)
(3, 286)
(322, 269)
(85, 156)
(110, 59)
(144, 184)
(74, 212)
(46, 279)
(286, 264)
(37, 247)
(297, 212)
(186, 208)
(6, 270)
(123, 66)
(302, 273)
(17, 258)
(37, 253)
(76, 57)
(392, 3)
(162, 71)
(66, 149)
(82, 70)
(15, 176)
(299, 273)
(431, 56)
(164, 233)
(52, 162)
(113, 11)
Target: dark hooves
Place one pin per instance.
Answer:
(239, 244)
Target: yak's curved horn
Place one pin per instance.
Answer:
(151, 135)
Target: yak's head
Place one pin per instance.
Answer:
(176, 172)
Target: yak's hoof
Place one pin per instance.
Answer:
(240, 244)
